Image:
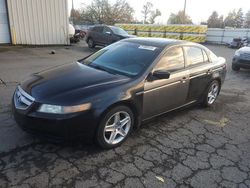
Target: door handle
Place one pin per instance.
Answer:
(209, 71)
(184, 79)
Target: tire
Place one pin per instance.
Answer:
(235, 67)
(71, 40)
(111, 131)
(211, 93)
(91, 43)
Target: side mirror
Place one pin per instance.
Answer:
(108, 33)
(161, 74)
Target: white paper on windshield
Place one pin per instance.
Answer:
(151, 48)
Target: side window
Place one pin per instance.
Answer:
(95, 29)
(172, 60)
(106, 29)
(194, 55)
(98, 29)
(205, 57)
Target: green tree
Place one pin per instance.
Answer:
(75, 16)
(179, 18)
(247, 20)
(221, 21)
(102, 12)
(214, 21)
(154, 15)
(146, 11)
(121, 12)
(230, 19)
(239, 20)
(235, 19)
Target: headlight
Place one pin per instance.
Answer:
(55, 109)
(237, 53)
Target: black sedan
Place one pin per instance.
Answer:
(241, 59)
(109, 93)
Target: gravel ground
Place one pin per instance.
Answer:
(195, 147)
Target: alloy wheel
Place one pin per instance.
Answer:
(91, 43)
(213, 93)
(117, 127)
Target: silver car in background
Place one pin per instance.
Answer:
(241, 59)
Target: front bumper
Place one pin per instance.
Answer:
(241, 63)
(55, 127)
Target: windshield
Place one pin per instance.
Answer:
(118, 31)
(126, 58)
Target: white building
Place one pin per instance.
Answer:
(34, 22)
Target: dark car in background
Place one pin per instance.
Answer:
(241, 59)
(235, 43)
(239, 42)
(106, 95)
(104, 35)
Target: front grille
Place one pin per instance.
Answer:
(22, 99)
(245, 56)
(247, 62)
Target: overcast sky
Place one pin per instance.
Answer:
(198, 10)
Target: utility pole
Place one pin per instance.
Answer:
(184, 10)
(185, 4)
(72, 11)
(183, 19)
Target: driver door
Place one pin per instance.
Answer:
(106, 36)
(162, 95)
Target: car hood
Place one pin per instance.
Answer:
(63, 84)
(124, 36)
(244, 49)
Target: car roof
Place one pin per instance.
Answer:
(157, 42)
(103, 25)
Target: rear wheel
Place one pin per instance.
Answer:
(115, 127)
(235, 67)
(212, 93)
(91, 43)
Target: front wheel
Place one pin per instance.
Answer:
(115, 127)
(91, 43)
(211, 93)
(235, 67)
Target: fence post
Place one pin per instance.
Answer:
(135, 31)
(181, 36)
(164, 34)
(222, 37)
(149, 32)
